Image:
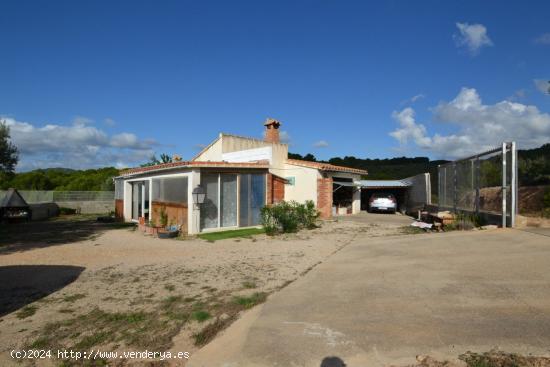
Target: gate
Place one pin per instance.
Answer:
(484, 184)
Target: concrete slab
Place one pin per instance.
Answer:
(384, 219)
(538, 230)
(384, 301)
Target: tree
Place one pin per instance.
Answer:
(8, 152)
(165, 158)
(153, 161)
(308, 157)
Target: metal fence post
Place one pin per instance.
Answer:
(503, 185)
(514, 184)
(477, 184)
(455, 188)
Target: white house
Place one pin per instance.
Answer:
(239, 175)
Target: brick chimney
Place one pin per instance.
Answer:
(271, 130)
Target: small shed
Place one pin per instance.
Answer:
(14, 207)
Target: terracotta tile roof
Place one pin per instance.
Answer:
(194, 164)
(326, 166)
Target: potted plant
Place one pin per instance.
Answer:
(151, 228)
(166, 230)
(141, 224)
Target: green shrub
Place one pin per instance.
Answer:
(288, 217)
(307, 214)
(66, 211)
(163, 217)
(466, 222)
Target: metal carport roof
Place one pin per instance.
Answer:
(380, 184)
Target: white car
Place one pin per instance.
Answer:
(383, 202)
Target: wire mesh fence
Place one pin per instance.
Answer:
(483, 183)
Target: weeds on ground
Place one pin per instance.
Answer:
(465, 222)
(211, 330)
(200, 316)
(74, 297)
(26, 311)
(237, 233)
(169, 287)
(249, 284)
(412, 230)
(250, 301)
(135, 329)
(502, 359)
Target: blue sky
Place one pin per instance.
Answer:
(95, 83)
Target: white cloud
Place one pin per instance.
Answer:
(543, 39)
(542, 86)
(75, 146)
(417, 97)
(518, 95)
(479, 127)
(82, 121)
(321, 144)
(472, 36)
(109, 122)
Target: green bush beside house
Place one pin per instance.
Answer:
(288, 217)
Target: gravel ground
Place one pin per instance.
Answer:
(123, 272)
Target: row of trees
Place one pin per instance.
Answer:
(62, 179)
(534, 169)
(533, 166)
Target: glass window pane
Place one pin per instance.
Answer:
(170, 190)
(209, 209)
(119, 189)
(252, 199)
(243, 200)
(136, 198)
(229, 200)
(257, 198)
(146, 199)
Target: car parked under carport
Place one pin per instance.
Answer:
(397, 188)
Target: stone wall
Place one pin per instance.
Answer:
(89, 207)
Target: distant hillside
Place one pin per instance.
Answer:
(383, 169)
(534, 169)
(62, 179)
(533, 166)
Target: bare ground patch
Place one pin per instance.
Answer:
(138, 292)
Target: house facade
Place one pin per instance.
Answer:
(240, 175)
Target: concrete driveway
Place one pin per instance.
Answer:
(384, 301)
(383, 219)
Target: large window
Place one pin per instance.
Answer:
(170, 190)
(119, 189)
(252, 199)
(222, 203)
(209, 209)
(228, 210)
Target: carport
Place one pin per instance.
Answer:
(344, 193)
(398, 188)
